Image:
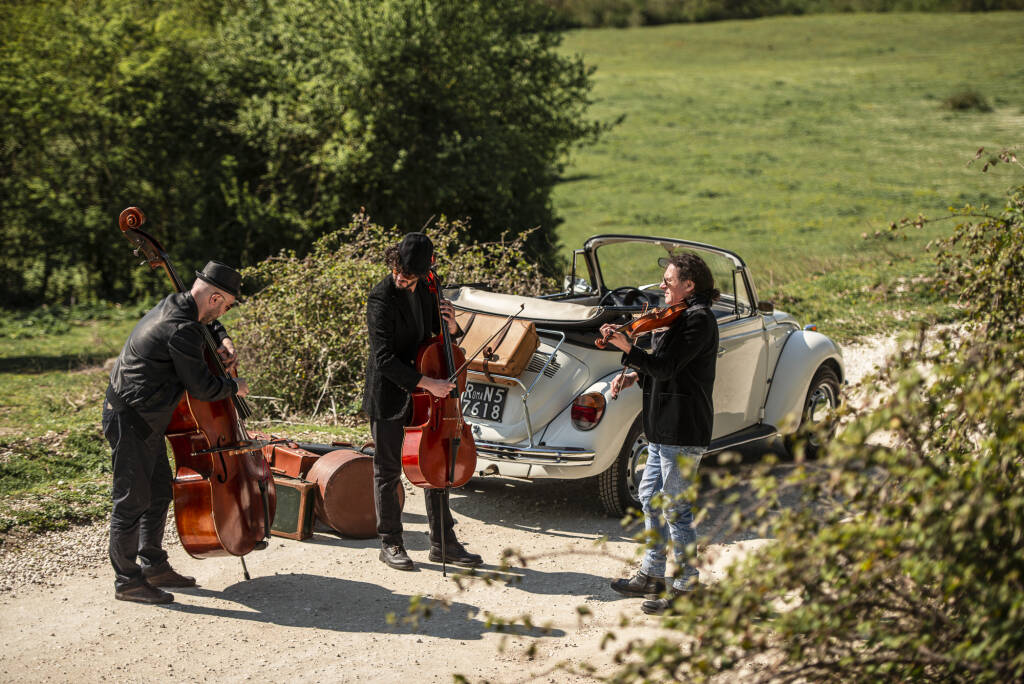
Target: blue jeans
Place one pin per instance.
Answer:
(669, 471)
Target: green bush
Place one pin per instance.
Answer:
(902, 561)
(302, 336)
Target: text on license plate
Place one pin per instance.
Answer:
(481, 400)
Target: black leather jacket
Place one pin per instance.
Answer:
(678, 377)
(163, 357)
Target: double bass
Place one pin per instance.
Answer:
(224, 496)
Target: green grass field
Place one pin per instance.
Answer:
(782, 139)
(787, 139)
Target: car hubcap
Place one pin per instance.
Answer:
(635, 467)
(820, 405)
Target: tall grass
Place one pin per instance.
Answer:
(789, 139)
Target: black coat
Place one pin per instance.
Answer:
(391, 373)
(678, 377)
(163, 357)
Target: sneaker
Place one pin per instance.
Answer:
(396, 557)
(639, 585)
(143, 592)
(163, 575)
(454, 553)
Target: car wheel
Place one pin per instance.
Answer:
(617, 486)
(818, 416)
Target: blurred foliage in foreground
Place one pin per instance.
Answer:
(303, 335)
(903, 561)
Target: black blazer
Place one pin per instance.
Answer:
(677, 378)
(391, 373)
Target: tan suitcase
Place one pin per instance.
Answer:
(507, 354)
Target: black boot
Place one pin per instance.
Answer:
(454, 553)
(639, 585)
(396, 557)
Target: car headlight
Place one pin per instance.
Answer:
(587, 410)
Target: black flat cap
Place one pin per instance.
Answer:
(222, 277)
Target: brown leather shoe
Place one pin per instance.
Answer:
(639, 585)
(143, 592)
(163, 575)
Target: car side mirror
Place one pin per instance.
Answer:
(766, 307)
(579, 286)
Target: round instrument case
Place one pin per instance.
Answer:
(344, 496)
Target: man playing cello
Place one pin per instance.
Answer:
(162, 358)
(400, 317)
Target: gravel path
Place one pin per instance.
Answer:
(315, 610)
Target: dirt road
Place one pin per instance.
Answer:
(316, 611)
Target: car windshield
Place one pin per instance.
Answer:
(635, 264)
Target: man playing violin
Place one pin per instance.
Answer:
(401, 316)
(677, 377)
(162, 358)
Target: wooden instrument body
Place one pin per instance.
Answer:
(436, 425)
(218, 504)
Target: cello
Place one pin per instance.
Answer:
(224, 496)
(438, 451)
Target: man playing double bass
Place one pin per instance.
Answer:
(401, 316)
(162, 358)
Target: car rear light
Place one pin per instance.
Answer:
(587, 411)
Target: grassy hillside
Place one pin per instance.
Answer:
(787, 139)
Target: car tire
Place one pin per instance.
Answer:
(819, 406)
(617, 486)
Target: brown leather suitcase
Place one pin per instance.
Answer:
(507, 354)
(293, 518)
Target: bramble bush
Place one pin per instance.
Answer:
(303, 334)
(903, 561)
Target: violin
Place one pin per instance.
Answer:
(645, 323)
(224, 496)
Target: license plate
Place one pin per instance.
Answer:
(481, 400)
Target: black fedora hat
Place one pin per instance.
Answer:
(415, 254)
(222, 277)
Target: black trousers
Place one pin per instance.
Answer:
(387, 472)
(141, 497)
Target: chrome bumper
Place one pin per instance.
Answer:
(560, 456)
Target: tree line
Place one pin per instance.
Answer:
(243, 128)
(621, 13)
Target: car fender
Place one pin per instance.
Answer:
(803, 353)
(606, 438)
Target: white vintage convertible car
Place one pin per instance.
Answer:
(556, 419)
